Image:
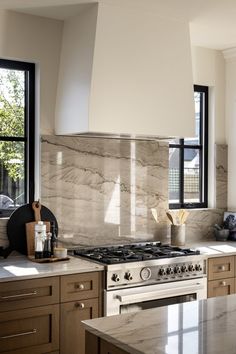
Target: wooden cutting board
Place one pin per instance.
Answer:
(29, 228)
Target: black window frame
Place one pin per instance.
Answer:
(29, 128)
(203, 147)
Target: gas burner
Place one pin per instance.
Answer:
(134, 252)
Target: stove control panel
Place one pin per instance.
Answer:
(136, 274)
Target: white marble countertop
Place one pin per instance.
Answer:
(19, 267)
(214, 248)
(198, 327)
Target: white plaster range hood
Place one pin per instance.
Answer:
(125, 72)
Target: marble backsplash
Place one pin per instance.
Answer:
(102, 191)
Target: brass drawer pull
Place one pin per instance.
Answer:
(222, 268)
(19, 334)
(80, 305)
(79, 286)
(223, 283)
(18, 295)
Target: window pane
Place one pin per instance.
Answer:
(191, 176)
(196, 140)
(11, 174)
(12, 102)
(174, 175)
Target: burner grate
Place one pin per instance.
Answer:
(134, 253)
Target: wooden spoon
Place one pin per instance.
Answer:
(170, 217)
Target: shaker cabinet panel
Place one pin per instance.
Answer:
(221, 267)
(29, 293)
(221, 287)
(72, 333)
(30, 330)
(79, 286)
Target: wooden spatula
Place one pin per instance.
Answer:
(29, 226)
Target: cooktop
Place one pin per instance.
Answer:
(134, 252)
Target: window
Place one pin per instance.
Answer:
(17, 95)
(188, 160)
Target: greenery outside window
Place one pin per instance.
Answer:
(188, 160)
(17, 130)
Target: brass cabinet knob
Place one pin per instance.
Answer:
(80, 305)
(222, 268)
(223, 283)
(79, 286)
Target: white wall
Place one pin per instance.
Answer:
(209, 70)
(231, 127)
(35, 39)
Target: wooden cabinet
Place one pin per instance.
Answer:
(97, 345)
(84, 290)
(221, 276)
(108, 348)
(29, 316)
(44, 315)
(30, 330)
(79, 286)
(29, 293)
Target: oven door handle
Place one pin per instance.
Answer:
(160, 294)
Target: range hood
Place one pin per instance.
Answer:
(124, 72)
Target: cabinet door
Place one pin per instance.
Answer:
(221, 287)
(72, 333)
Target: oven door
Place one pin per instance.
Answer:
(151, 296)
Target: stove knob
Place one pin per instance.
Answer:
(191, 268)
(128, 276)
(198, 267)
(115, 277)
(169, 270)
(184, 269)
(177, 270)
(162, 271)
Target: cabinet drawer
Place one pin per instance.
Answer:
(221, 287)
(30, 330)
(221, 267)
(29, 293)
(79, 286)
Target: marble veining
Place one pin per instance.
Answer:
(102, 191)
(198, 327)
(221, 175)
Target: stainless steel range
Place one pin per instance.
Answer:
(147, 275)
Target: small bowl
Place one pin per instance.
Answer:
(221, 235)
(60, 252)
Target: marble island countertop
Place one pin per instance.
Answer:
(198, 327)
(19, 267)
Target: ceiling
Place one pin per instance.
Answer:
(212, 22)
